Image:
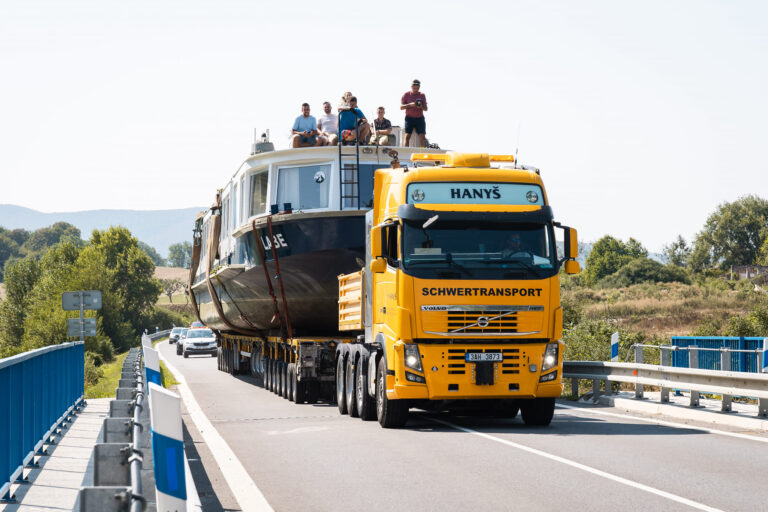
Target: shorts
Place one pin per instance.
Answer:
(308, 140)
(415, 123)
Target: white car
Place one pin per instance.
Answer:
(199, 341)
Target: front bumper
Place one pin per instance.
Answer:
(200, 350)
(448, 376)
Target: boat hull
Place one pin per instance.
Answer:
(311, 253)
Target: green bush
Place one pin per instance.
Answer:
(590, 340)
(166, 318)
(92, 371)
(644, 270)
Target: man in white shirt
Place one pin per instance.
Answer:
(328, 126)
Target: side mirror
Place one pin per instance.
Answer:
(375, 242)
(572, 244)
(379, 265)
(572, 267)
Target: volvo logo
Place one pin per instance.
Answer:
(483, 322)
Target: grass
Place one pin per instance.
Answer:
(178, 298)
(106, 385)
(166, 375)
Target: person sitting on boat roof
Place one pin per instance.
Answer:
(383, 135)
(414, 102)
(304, 130)
(328, 126)
(350, 117)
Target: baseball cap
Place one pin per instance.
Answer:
(415, 82)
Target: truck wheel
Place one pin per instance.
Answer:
(390, 413)
(349, 385)
(268, 374)
(253, 363)
(365, 404)
(538, 412)
(300, 392)
(341, 399)
(278, 374)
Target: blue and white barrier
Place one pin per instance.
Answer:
(765, 355)
(167, 449)
(152, 366)
(615, 347)
(38, 390)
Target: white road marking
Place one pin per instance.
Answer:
(246, 492)
(667, 423)
(583, 467)
(299, 430)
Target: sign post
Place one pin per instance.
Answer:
(615, 347)
(81, 300)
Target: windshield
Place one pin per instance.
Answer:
(473, 250)
(184, 332)
(176, 331)
(200, 333)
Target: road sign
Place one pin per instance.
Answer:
(88, 327)
(71, 301)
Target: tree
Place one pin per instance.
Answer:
(152, 253)
(132, 271)
(8, 249)
(643, 270)
(39, 241)
(180, 255)
(21, 278)
(732, 235)
(170, 286)
(678, 252)
(610, 254)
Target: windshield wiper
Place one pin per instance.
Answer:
(451, 261)
(521, 261)
(446, 257)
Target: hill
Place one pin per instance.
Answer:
(157, 228)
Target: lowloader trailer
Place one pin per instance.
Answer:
(458, 300)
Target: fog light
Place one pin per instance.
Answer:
(415, 378)
(548, 377)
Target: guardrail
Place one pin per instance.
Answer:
(159, 334)
(39, 390)
(724, 383)
(744, 352)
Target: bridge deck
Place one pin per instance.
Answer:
(67, 467)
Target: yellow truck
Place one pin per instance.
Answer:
(459, 296)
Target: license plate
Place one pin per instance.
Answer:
(479, 357)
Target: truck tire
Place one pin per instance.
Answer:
(390, 413)
(366, 407)
(283, 379)
(349, 386)
(505, 408)
(300, 392)
(538, 412)
(254, 363)
(279, 378)
(341, 398)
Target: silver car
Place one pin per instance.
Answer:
(200, 341)
(174, 336)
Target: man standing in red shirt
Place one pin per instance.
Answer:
(415, 104)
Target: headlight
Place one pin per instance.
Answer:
(412, 357)
(550, 357)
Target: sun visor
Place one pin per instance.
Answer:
(540, 216)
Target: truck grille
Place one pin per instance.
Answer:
(482, 320)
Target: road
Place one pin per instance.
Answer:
(308, 457)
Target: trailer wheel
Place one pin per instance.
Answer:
(255, 363)
(283, 379)
(538, 412)
(268, 374)
(292, 382)
(390, 413)
(366, 406)
(341, 399)
(349, 385)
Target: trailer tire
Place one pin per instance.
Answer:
(254, 363)
(538, 412)
(283, 380)
(292, 382)
(366, 407)
(390, 413)
(349, 386)
(267, 373)
(341, 399)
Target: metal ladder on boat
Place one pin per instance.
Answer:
(349, 180)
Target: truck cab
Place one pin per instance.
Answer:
(460, 295)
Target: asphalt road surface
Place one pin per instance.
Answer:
(308, 457)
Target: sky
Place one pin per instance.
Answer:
(642, 116)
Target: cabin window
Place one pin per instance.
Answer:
(304, 187)
(259, 193)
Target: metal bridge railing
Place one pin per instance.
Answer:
(721, 381)
(39, 390)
